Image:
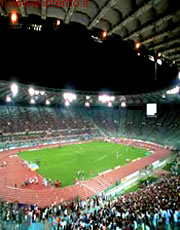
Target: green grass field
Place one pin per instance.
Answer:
(93, 158)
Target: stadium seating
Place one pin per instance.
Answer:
(23, 123)
(156, 206)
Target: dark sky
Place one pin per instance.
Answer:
(69, 58)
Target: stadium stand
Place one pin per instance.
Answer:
(19, 123)
(157, 206)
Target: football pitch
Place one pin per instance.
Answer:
(91, 158)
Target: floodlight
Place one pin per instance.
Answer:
(87, 104)
(14, 89)
(31, 91)
(67, 103)
(123, 104)
(14, 17)
(8, 99)
(138, 44)
(48, 102)
(151, 58)
(69, 96)
(112, 98)
(110, 104)
(36, 92)
(32, 101)
(104, 98)
(174, 90)
(42, 93)
(58, 22)
(159, 54)
(74, 96)
(104, 34)
(159, 61)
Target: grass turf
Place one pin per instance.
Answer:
(93, 158)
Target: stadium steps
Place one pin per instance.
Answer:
(94, 185)
(104, 183)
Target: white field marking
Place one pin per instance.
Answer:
(33, 149)
(109, 170)
(102, 157)
(117, 167)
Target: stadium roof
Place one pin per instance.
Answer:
(56, 96)
(153, 23)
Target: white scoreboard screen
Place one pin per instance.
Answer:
(151, 110)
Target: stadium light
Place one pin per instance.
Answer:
(87, 104)
(112, 98)
(67, 103)
(14, 17)
(104, 34)
(42, 93)
(138, 44)
(14, 89)
(159, 54)
(173, 91)
(106, 98)
(123, 104)
(8, 99)
(32, 101)
(109, 104)
(69, 96)
(36, 92)
(58, 22)
(151, 58)
(31, 91)
(159, 61)
(48, 102)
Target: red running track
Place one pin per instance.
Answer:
(16, 173)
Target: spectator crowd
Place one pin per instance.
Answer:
(155, 207)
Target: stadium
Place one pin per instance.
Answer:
(89, 115)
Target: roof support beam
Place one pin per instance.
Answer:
(2, 12)
(132, 17)
(101, 14)
(174, 57)
(70, 12)
(171, 51)
(43, 10)
(23, 10)
(177, 61)
(161, 36)
(151, 26)
(166, 44)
